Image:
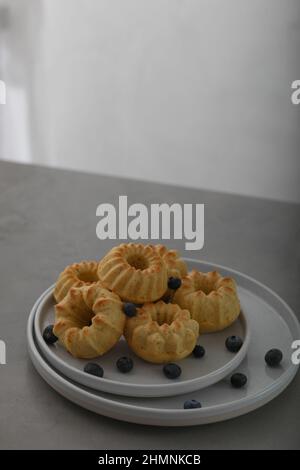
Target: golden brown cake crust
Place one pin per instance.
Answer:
(89, 321)
(176, 267)
(211, 299)
(135, 272)
(161, 332)
(75, 275)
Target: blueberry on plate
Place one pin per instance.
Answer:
(273, 357)
(172, 371)
(124, 364)
(93, 369)
(174, 283)
(129, 309)
(233, 343)
(198, 351)
(190, 404)
(48, 335)
(238, 380)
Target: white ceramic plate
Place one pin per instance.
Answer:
(273, 324)
(145, 379)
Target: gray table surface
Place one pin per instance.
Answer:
(47, 220)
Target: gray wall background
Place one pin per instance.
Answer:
(190, 92)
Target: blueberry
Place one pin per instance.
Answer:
(273, 357)
(129, 309)
(190, 404)
(93, 369)
(238, 380)
(233, 343)
(174, 283)
(48, 335)
(172, 371)
(199, 351)
(124, 364)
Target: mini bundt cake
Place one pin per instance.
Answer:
(75, 275)
(211, 299)
(161, 332)
(176, 267)
(89, 321)
(135, 272)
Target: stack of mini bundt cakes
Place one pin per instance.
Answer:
(145, 293)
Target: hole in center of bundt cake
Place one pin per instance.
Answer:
(88, 276)
(85, 318)
(138, 262)
(88, 321)
(205, 285)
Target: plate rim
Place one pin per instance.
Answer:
(292, 369)
(199, 416)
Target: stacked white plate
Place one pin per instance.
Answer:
(146, 396)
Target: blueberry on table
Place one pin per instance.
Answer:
(174, 283)
(273, 357)
(190, 404)
(238, 380)
(233, 343)
(93, 369)
(124, 364)
(129, 309)
(172, 371)
(48, 335)
(198, 351)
